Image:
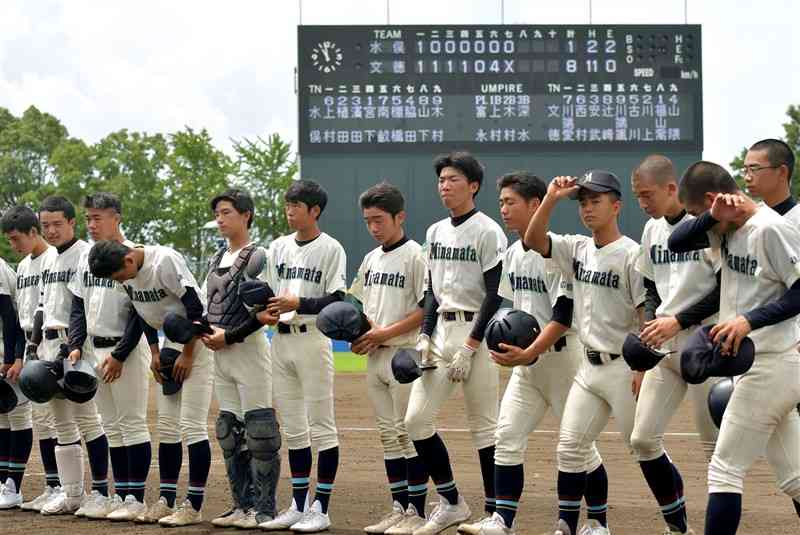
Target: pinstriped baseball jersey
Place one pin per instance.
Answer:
(57, 273)
(457, 258)
(390, 285)
(29, 286)
(793, 215)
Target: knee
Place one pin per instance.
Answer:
(506, 455)
(791, 487)
(569, 452)
(723, 477)
(262, 434)
(230, 433)
(419, 427)
(647, 448)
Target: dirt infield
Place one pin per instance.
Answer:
(361, 495)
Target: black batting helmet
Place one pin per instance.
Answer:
(511, 327)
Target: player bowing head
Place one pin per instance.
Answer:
(655, 186)
(384, 213)
(305, 201)
(701, 183)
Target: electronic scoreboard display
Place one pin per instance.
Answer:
(389, 89)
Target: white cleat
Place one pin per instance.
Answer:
(444, 516)
(9, 497)
(284, 520)
(593, 527)
(411, 521)
(313, 521)
(473, 528)
(61, 504)
(562, 528)
(669, 531)
(87, 500)
(184, 515)
(247, 521)
(103, 507)
(126, 511)
(496, 526)
(391, 519)
(37, 503)
(228, 519)
(154, 513)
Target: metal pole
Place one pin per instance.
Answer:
(502, 11)
(388, 12)
(686, 11)
(300, 11)
(590, 11)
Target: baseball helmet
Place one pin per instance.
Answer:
(342, 321)
(511, 327)
(79, 382)
(701, 358)
(405, 367)
(718, 397)
(10, 396)
(39, 380)
(181, 330)
(255, 293)
(639, 356)
(168, 356)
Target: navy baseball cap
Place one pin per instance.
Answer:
(598, 181)
(701, 358)
(404, 366)
(639, 356)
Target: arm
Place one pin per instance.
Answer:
(314, 305)
(191, 301)
(134, 329)
(430, 307)
(11, 329)
(782, 309)
(705, 308)
(652, 299)
(551, 333)
(240, 332)
(491, 302)
(536, 234)
(692, 235)
(77, 325)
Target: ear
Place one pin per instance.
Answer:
(672, 188)
(474, 187)
(534, 203)
(315, 211)
(400, 217)
(708, 198)
(71, 223)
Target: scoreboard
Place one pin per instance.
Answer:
(558, 88)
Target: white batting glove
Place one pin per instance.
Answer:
(424, 349)
(458, 369)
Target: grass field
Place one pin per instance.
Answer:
(349, 363)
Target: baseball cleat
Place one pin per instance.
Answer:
(228, 518)
(473, 528)
(410, 522)
(100, 509)
(184, 515)
(87, 500)
(562, 528)
(392, 518)
(247, 520)
(61, 504)
(284, 520)
(37, 503)
(155, 512)
(128, 510)
(9, 497)
(593, 527)
(669, 531)
(313, 521)
(444, 516)
(496, 526)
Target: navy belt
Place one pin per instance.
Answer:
(285, 328)
(596, 357)
(453, 316)
(103, 342)
(53, 334)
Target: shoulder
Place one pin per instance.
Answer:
(330, 242)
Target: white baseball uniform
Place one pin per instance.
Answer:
(156, 290)
(122, 407)
(682, 280)
(760, 261)
(390, 284)
(543, 385)
(20, 417)
(72, 420)
(607, 290)
(458, 256)
(29, 296)
(302, 357)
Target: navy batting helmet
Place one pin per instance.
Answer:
(342, 321)
(39, 380)
(718, 398)
(181, 330)
(10, 396)
(511, 327)
(405, 367)
(79, 382)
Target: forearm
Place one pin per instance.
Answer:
(784, 308)
(491, 302)
(130, 337)
(705, 308)
(405, 325)
(11, 330)
(652, 299)
(77, 324)
(536, 234)
(314, 305)
(692, 235)
(237, 334)
(430, 310)
(192, 304)
(551, 334)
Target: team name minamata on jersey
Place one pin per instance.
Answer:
(662, 255)
(521, 282)
(53, 277)
(395, 280)
(90, 281)
(146, 296)
(608, 278)
(28, 281)
(746, 265)
(311, 274)
(463, 254)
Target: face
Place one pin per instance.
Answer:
(229, 221)
(382, 226)
(56, 228)
(515, 210)
(454, 188)
(129, 270)
(597, 209)
(22, 242)
(299, 216)
(759, 176)
(102, 224)
(654, 198)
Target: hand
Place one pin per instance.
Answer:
(636, 384)
(215, 341)
(513, 356)
(730, 334)
(562, 186)
(283, 303)
(266, 318)
(155, 366)
(728, 207)
(369, 341)
(74, 355)
(458, 369)
(182, 367)
(12, 371)
(111, 369)
(658, 331)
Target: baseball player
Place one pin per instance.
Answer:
(24, 232)
(759, 298)
(16, 427)
(676, 285)
(609, 297)
(247, 428)
(158, 281)
(464, 254)
(390, 285)
(105, 330)
(767, 171)
(72, 420)
(306, 270)
(542, 372)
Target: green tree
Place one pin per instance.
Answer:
(266, 168)
(791, 130)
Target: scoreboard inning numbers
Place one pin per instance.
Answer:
(559, 88)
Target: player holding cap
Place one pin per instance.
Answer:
(105, 330)
(542, 372)
(21, 226)
(306, 270)
(465, 261)
(609, 296)
(390, 284)
(158, 281)
(759, 298)
(682, 291)
(247, 429)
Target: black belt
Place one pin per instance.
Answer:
(28, 335)
(285, 328)
(53, 334)
(560, 344)
(103, 342)
(453, 316)
(596, 359)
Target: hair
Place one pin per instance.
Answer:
(107, 257)
(614, 195)
(704, 177)
(20, 218)
(778, 153)
(656, 167)
(240, 199)
(464, 162)
(384, 196)
(103, 201)
(524, 184)
(307, 192)
(57, 203)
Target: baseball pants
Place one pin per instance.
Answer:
(18, 419)
(243, 375)
(389, 400)
(41, 415)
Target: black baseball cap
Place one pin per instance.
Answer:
(702, 358)
(598, 181)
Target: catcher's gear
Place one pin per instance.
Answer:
(404, 365)
(718, 397)
(181, 330)
(224, 297)
(639, 356)
(702, 359)
(511, 327)
(342, 321)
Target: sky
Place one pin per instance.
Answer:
(228, 67)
